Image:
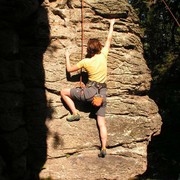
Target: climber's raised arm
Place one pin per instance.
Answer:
(69, 67)
(109, 37)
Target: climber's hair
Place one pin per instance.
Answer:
(93, 47)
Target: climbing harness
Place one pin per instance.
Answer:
(98, 98)
(171, 12)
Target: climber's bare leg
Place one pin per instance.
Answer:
(65, 94)
(103, 130)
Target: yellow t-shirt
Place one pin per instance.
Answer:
(96, 66)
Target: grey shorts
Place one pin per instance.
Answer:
(86, 95)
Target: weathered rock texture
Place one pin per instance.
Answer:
(34, 133)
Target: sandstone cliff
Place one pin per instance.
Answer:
(35, 137)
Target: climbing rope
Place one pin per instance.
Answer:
(171, 12)
(82, 36)
(82, 28)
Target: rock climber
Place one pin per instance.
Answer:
(95, 64)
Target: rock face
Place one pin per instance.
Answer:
(35, 138)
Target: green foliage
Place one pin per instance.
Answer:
(162, 35)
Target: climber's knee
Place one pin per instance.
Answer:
(65, 92)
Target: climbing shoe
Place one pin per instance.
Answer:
(102, 153)
(73, 117)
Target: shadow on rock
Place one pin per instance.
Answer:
(24, 37)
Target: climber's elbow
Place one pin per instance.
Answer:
(72, 68)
